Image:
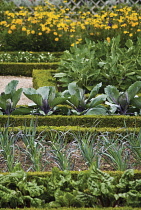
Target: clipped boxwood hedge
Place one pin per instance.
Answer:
(84, 121)
(69, 130)
(43, 78)
(24, 69)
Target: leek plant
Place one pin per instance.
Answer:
(7, 146)
(33, 145)
(61, 154)
(89, 148)
(134, 144)
(115, 151)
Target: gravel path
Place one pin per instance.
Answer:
(24, 82)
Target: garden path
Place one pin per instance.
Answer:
(24, 82)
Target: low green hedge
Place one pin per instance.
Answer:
(24, 69)
(69, 130)
(84, 121)
(43, 78)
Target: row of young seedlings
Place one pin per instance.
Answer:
(41, 152)
(47, 100)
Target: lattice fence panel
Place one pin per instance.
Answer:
(75, 4)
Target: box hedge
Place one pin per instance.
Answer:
(24, 69)
(43, 78)
(99, 121)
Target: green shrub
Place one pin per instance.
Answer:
(43, 78)
(24, 69)
(104, 62)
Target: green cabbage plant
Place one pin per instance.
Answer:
(81, 105)
(10, 98)
(127, 102)
(45, 99)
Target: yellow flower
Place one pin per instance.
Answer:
(55, 33)
(18, 21)
(108, 39)
(114, 26)
(23, 28)
(91, 34)
(9, 32)
(134, 24)
(124, 25)
(56, 39)
(3, 23)
(130, 34)
(79, 40)
(13, 27)
(72, 44)
(107, 27)
(125, 32)
(83, 27)
(39, 33)
(138, 30)
(32, 32)
(28, 32)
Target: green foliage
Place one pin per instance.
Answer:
(80, 64)
(42, 78)
(89, 147)
(92, 189)
(27, 57)
(124, 102)
(116, 151)
(80, 105)
(134, 144)
(10, 98)
(45, 99)
(16, 191)
(33, 145)
(24, 69)
(104, 62)
(8, 141)
(59, 152)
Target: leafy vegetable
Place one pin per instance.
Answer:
(10, 98)
(45, 98)
(109, 63)
(122, 101)
(82, 105)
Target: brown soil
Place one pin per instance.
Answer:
(47, 162)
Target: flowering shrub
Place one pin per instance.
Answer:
(50, 29)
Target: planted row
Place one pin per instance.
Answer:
(47, 100)
(93, 188)
(42, 151)
(28, 57)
